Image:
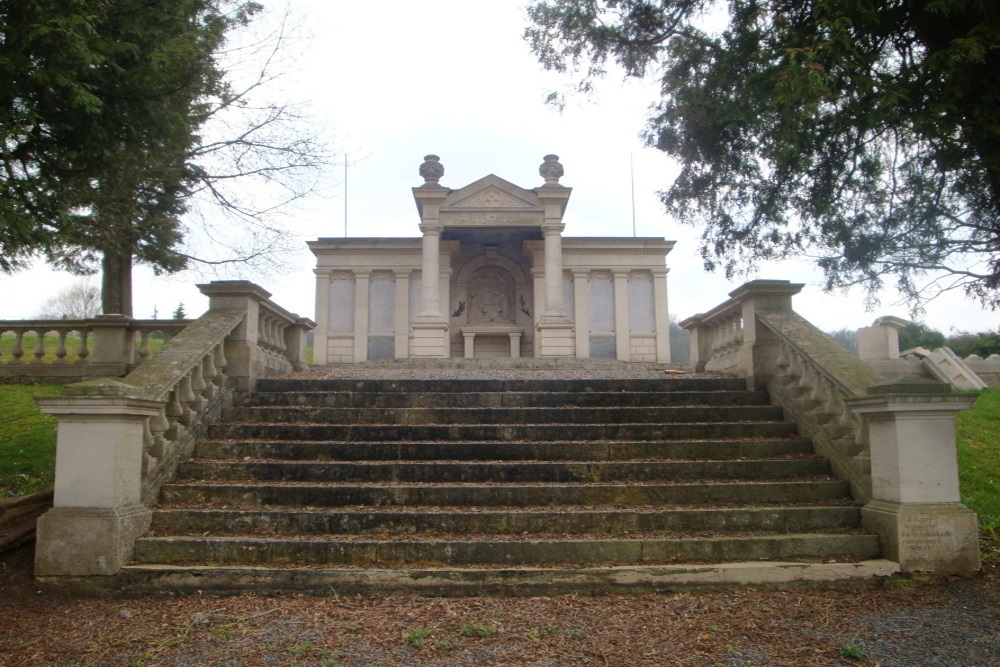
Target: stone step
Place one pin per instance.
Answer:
(510, 521)
(535, 471)
(368, 553)
(371, 399)
(558, 450)
(513, 416)
(502, 432)
(478, 581)
(328, 495)
(504, 385)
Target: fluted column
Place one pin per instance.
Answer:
(661, 315)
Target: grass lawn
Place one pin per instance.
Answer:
(979, 458)
(27, 440)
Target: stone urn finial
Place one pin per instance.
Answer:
(551, 170)
(432, 170)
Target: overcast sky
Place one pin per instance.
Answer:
(397, 79)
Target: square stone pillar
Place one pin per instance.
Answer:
(322, 316)
(661, 315)
(916, 506)
(881, 339)
(623, 347)
(245, 358)
(113, 350)
(362, 287)
(97, 509)
(581, 302)
(402, 314)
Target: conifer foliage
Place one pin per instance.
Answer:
(863, 133)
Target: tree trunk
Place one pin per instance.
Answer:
(116, 282)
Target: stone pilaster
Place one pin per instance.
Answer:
(362, 287)
(622, 334)
(322, 316)
(661, 315)
(581, 302)
(402, 314)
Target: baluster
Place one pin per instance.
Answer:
(174, 412)
(84, 351)
(39, 345)
(279, 335)
(208, 373)
(18, 350)
(220, 364)
(795, 373)
(143, 350)
(158, 426)
(198, 389)
(61, 345)
(187, 399)
(148, 459)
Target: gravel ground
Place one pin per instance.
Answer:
(952, 623)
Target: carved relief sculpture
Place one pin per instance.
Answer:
(491, 296)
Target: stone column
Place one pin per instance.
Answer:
(916, 507)
(362, 287)
(555, 331)
(661, 315)
(322, 316)
(402, 321)
(581, 302)
(538, 285)
(431, 267)
(430, 327)
(623, 343)
(97, 510)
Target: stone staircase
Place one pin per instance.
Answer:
(516, 486)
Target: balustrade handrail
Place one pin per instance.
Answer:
(849, 374)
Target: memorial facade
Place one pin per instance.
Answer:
(505, 282)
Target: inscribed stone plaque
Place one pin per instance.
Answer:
(640, 304)
(491, 295)
(382, 304)
(341, 319)
(602, 305)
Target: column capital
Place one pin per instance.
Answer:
(402, 273)
(621, 273)
(434, 228)
(580, 273)
(549, 227)
(660, 273)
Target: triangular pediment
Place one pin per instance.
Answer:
(491, 192)
(491, 201)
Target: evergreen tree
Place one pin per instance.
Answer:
(863, 133)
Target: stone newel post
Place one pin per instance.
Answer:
(916, 507)
(98, 511)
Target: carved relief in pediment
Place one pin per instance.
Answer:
(492, 198)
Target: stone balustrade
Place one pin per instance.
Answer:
(893, 441)
(119, 440)
(104, 346)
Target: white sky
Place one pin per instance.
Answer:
(397, 79)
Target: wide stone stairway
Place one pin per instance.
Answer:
(514, 485)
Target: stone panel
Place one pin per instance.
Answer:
(641, 316)
(382, 304)
(602, 306)
(341, 303)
